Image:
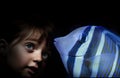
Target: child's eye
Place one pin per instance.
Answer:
(44, 55)
(30, 46)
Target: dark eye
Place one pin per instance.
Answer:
(44, 55)
(30, 46)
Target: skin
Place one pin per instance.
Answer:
(24, 56)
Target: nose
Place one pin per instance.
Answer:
(37, 56)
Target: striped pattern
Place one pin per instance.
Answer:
(95, 54)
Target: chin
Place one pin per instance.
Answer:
(26, 74)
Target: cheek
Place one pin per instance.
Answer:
(19, 57)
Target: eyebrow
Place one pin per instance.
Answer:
(32, 39)
(39, 41)
(35, 40)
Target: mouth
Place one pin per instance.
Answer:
(32, 70)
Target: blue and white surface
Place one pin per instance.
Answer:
(90, 51)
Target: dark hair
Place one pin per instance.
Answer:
(10, 27)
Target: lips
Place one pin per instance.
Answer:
(32, 70)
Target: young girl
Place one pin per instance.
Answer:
(23, 46)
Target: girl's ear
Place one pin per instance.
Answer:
(3, 45)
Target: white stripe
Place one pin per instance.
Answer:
(114, 36)
(115, 62)
(95, 64)
(81, 52)
(77, 67)
(83, 48)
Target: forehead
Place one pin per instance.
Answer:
(30, 34)
(33, 34)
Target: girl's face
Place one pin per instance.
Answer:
(25, 55)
